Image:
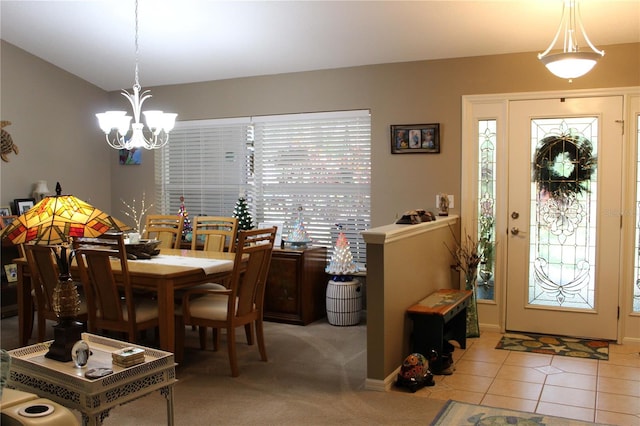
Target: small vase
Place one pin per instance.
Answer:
(473, 329)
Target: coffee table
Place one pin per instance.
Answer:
(67, 385)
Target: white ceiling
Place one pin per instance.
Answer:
(184, 41)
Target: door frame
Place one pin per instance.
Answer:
(492, 313)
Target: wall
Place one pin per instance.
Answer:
(53, 125)
(406, 263)
(402, 93)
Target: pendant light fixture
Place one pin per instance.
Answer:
(571, 63)
(121, 133)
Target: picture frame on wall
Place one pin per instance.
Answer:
(415, 138)
(5, 211)
(21, 205)
(6, 220)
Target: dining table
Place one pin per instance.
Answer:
(170, 270)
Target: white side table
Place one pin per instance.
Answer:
(65, 384)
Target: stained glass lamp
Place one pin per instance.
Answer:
(53, 222)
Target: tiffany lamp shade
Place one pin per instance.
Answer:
(54, 221)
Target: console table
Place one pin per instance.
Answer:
(440, 317)
(296, 285)
(66, 384)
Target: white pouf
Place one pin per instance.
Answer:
(344, 302)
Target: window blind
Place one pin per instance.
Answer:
(205, 162)
(320, 162)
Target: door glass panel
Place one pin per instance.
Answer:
(636, 288)
(562, 239)
(486, 206)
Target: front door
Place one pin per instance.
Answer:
(564, 228)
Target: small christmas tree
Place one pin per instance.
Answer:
(182, 211)
(341, 262)
(241, 211)
(298, 235)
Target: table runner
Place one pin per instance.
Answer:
(209, 266)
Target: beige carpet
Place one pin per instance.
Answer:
(315, 376)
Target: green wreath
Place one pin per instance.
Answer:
(564, 164)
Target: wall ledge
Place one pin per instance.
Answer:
(389, 233)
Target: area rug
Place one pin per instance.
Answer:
(555, 345)
(456, 413)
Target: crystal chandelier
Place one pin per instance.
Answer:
(115, 124)
(571, 63)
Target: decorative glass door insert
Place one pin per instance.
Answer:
(564, 196)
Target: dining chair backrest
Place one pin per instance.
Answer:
(249, 279)
(166, 228)
(216, 233)
(44, 279)
(104, 296)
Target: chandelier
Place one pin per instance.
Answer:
(571, 63)
(121, 133)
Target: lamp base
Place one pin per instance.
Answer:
(66, 333)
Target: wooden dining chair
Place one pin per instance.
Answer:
(217, 233)
(111, 303)
(44, 279)
(166, 228)
(239, 305)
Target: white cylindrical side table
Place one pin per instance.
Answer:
(344, 302)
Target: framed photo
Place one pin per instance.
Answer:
(5, 211)
(11, 270)
(21, 205)
(415, 138)
(6, 220)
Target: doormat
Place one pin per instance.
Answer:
(461, 413)
(555, 345)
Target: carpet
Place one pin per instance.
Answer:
(555, 345)
(460, 414)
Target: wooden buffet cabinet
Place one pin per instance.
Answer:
(296, 286)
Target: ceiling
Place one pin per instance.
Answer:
(182, 41)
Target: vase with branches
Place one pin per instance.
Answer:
(468, 254)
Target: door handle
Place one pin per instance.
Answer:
(516, 231)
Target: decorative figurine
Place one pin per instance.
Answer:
(414, 373)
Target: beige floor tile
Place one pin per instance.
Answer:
(568, 396)
(523, 374)
(626, 348)
(528, 359)
(510, 403)
(485, 354)
(610, 418)
(515, 389)
(618, 371)
(560, 410)
(575, 365)
(573, 380)
(467, 382)
(618, 403)
(477, 368)
(619, 386)
(629, 359)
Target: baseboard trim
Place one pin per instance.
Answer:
(382, 385)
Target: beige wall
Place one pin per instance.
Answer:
(51, 112)
(54, 125)
(404, 93)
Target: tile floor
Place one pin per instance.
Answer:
(584, 389)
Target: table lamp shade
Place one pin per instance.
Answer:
(56, 219)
